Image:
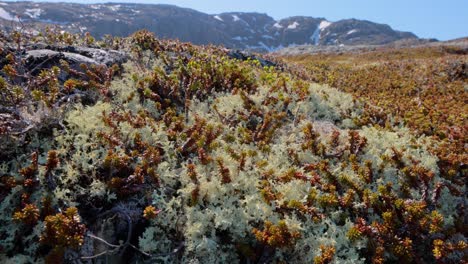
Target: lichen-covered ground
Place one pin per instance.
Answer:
(184, 155)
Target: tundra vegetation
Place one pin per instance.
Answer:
(183, 154)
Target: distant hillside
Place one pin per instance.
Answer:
(253, 31)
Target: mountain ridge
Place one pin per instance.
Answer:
(237, 30)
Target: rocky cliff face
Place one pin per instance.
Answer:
(253, 31)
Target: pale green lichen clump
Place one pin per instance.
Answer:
(222, 161)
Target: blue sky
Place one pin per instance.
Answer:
(441, 19)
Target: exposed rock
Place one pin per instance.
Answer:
(16, 122)
(243, 56)
(44, 58)
(107, 57)
(49, 56)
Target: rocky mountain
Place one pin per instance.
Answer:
(252, 31)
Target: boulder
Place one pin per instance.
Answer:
(107, 57)
(44, 57)
(243, 56)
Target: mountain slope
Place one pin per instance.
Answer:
(252, 31)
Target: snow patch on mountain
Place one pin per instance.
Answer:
(115, 7)
(218, 18)
(318, 31)
(33, 12)
(324, 24)
(7, 16)
(261, 46)
(316, 35)
(293, 25)
(270, 49)
(352, 31)
(277, 25)
(239, 38)
(267, 37)
(236, 18)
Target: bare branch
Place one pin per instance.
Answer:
(103, 241)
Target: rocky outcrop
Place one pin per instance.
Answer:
(43, 57)
(17, 121)
(243, 56)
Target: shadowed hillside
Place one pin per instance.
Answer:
(252, 31)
